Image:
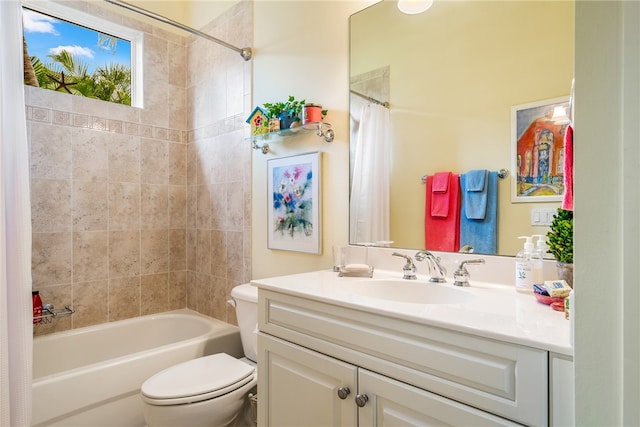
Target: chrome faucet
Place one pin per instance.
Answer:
(409, 269)
(461, 275)
(436, 270)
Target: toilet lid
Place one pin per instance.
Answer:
(203, 375)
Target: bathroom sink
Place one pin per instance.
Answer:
(409, 291)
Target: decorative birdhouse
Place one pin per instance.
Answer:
(259, 121)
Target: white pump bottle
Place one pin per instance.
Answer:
(528, 266)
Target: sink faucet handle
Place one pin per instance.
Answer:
(409, 269)
(461, 275)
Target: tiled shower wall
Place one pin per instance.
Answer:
(218, 165)
(118, 194)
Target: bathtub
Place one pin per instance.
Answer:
(92, 376)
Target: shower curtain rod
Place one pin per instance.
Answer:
(244, 52)
(370, 99)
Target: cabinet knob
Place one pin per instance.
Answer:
(343, 392)
(361, 400)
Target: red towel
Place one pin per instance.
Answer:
(442, 232)
(440, 195)
(567, 199)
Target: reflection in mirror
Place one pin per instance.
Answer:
(450, 76)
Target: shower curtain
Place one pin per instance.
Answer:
(16, 339)
(369, 203)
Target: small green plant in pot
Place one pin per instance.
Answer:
(289, 111)
(560, 241)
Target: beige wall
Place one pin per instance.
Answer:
(137, 211)
(194, 13)
(307, 58)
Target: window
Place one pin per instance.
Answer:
(96, 59)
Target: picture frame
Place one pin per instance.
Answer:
(293, 212)
(537, 150)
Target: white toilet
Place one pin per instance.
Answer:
(209, 391)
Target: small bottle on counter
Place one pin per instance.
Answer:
(37, 307)
(541, 249)
(528, 267)
(569, 313)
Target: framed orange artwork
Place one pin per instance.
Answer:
(537, 150)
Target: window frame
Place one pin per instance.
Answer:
(96, 23)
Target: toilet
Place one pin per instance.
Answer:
(209, 391)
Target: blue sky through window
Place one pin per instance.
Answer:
(46, 35)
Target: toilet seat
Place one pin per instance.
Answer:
(197, 380)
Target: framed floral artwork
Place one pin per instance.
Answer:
(537, 150)
(293, 213)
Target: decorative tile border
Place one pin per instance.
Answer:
(221, 127)
(102, 124)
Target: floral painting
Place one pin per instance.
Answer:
(537, 153)
(293, 185)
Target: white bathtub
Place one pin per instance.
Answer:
(92, 376)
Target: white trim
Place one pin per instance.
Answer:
(75, 16)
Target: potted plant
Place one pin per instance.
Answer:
(560, 241)
(289, 111)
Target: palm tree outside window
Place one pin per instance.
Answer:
(66, 57)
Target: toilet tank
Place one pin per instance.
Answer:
(246, 301)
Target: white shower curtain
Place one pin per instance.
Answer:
(16, 339)
(369, 204)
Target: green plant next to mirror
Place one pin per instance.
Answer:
(289, 111)
(560, 236)
(560, 241)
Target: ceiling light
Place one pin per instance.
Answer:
(412, 7)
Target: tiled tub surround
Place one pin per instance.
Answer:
(135, 211)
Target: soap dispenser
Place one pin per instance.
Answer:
(541, 249)
(541, 245)
(528, 266)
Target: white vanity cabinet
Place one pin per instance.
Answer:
(412, 373)
(304, 387)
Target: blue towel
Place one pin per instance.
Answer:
(481, 234)
(475, 191)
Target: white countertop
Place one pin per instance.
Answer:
(495, 311)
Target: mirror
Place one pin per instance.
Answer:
(451, 76)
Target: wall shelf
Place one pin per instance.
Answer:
(322, 129)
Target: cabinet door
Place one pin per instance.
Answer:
(393, 403)
(561, 394)
(299, 387)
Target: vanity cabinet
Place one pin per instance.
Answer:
(412, 373)
(304, 387)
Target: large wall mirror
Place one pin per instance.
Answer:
(450, 77)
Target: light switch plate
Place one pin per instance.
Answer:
(542, 216)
